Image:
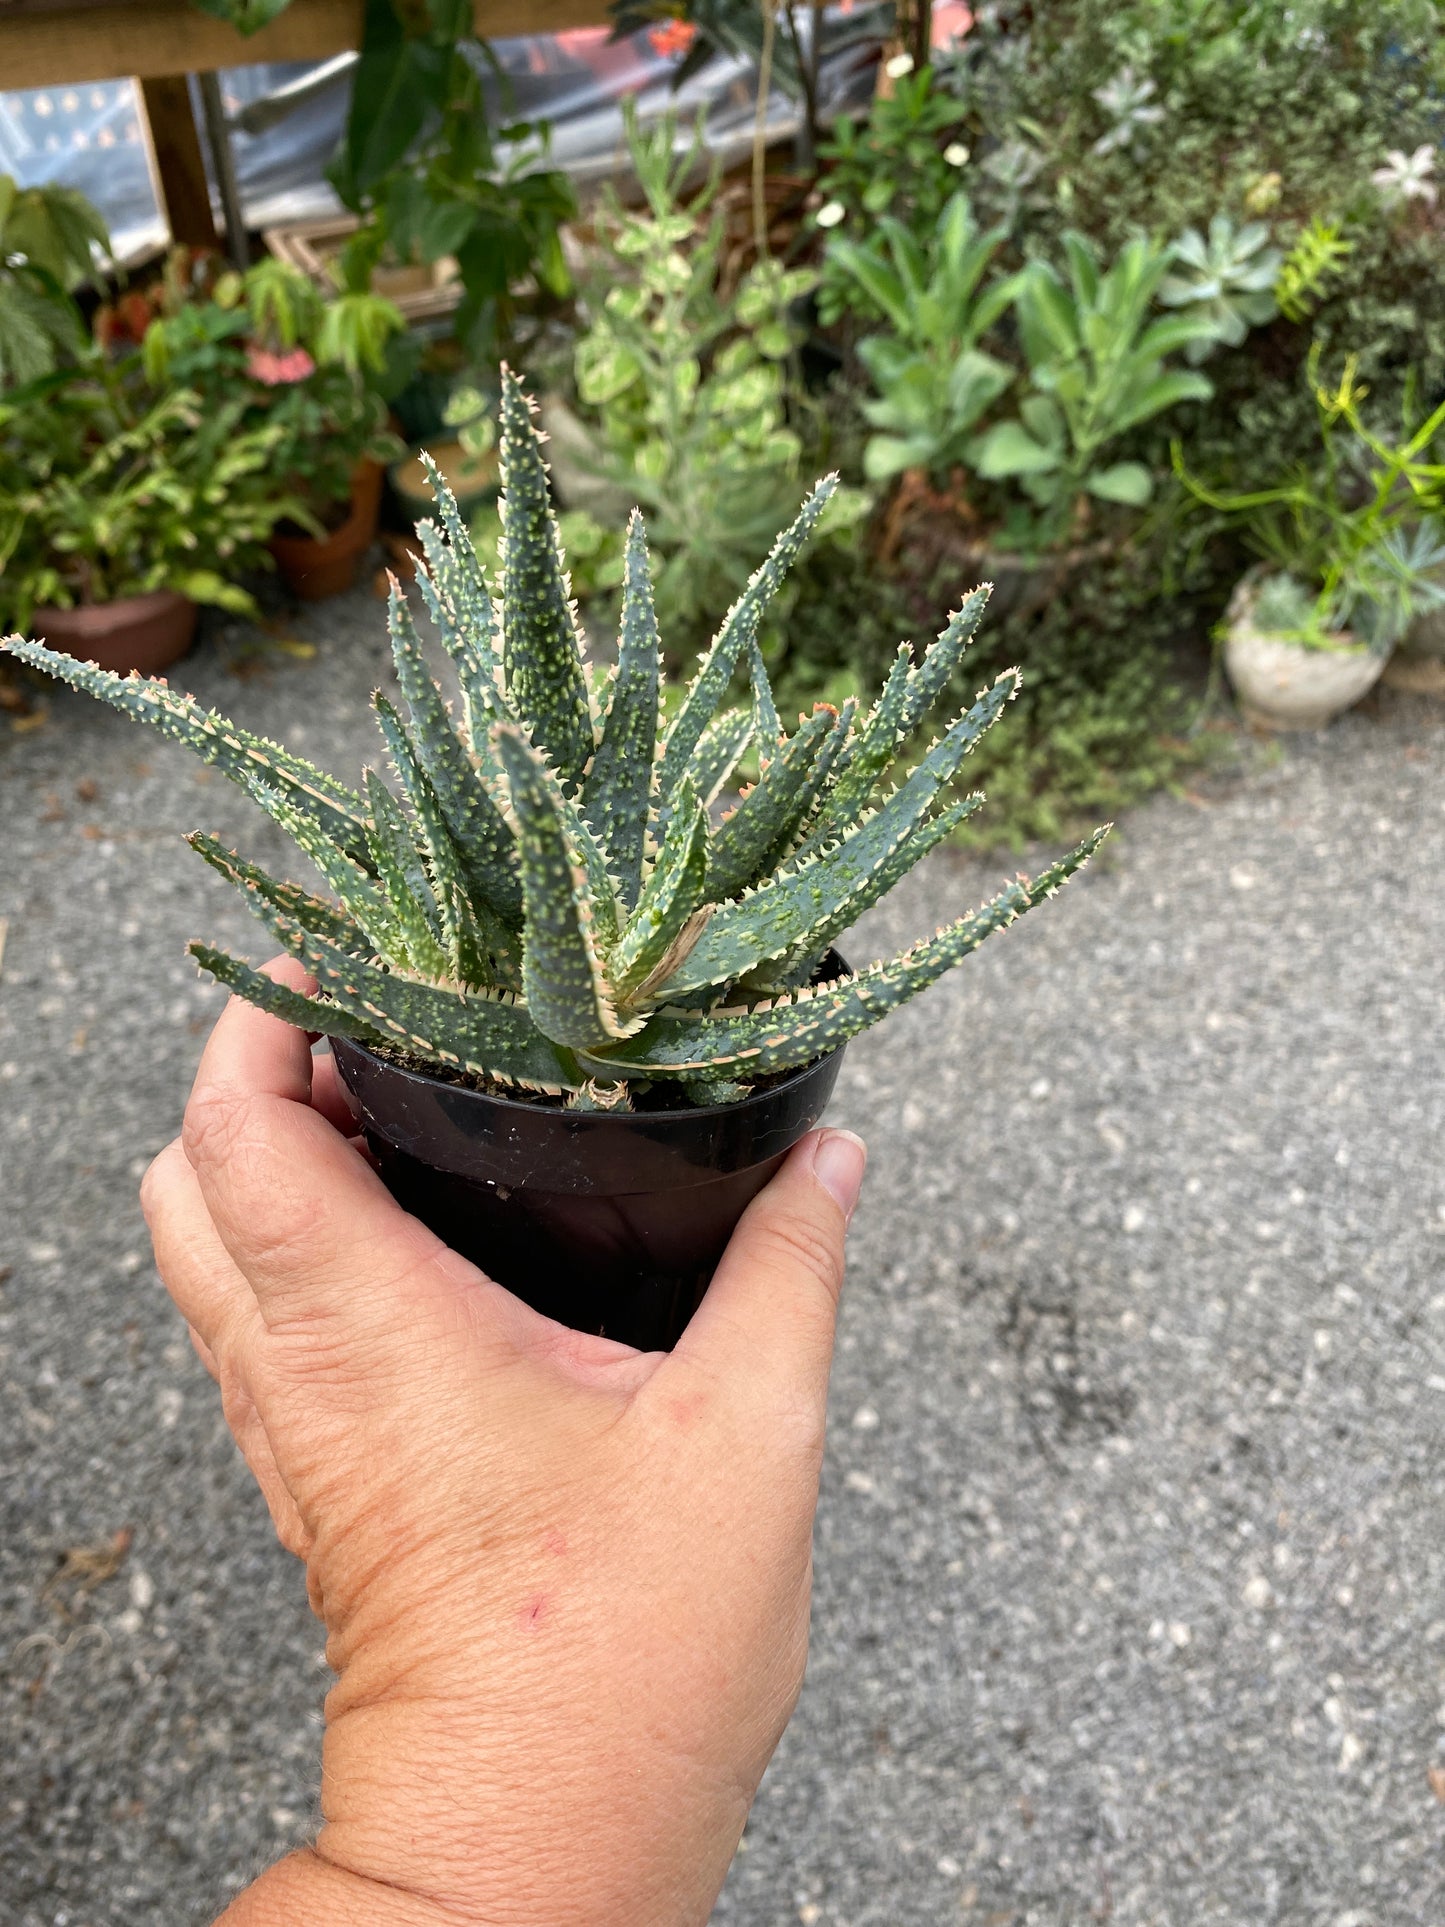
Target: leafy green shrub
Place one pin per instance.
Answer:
(107, 490)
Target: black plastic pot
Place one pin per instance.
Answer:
(611, 1223)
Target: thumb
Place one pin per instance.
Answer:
(769, 1314)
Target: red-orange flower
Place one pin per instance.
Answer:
(672, 38)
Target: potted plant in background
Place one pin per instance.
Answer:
(120, 510)
(302, 360)
(581, 1022)
(1352, 556)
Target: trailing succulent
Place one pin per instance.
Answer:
(549, 903)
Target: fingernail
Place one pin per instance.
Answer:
(838, 1165)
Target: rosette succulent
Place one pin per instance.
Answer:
(545, 896)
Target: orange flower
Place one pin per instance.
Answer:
(672, 38)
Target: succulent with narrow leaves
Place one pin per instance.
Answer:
(547, 903)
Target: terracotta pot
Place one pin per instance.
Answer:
(312, 569)
(472, 479)
(142, 632)
(1282, 685)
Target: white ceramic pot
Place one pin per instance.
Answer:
(1280, 684)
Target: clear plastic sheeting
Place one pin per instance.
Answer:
(286, 120)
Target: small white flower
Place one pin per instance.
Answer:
(831, 213)
(1407, 177)
(956, 154)
(898, 66)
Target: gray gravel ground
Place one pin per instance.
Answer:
(1131, 1578)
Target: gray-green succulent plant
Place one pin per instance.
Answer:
(548, 903)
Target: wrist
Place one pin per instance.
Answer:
(305, 1886)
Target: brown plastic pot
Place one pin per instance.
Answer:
(611, 1223)
(141, 632)
(312, 569)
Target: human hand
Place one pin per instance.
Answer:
(565, 1584)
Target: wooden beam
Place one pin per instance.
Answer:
(180, 171)
(44, 43)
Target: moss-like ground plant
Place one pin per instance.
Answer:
(545, 901)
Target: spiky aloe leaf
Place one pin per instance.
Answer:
(485, 1032)
(782, 915)
(291, 1006)
(767, 730)
(250, 761)
(486, 851)
(459, 575)
(797, 968)
(361, 898)
(709, 686)
(541, 641)
(942, 657)
(617, 789)
(874, 748)
(768, 814)
(404, 879)
(715, 758)
(671, 900)
(794, 1030)
(833, 756)
(908, 695)
(563, 970)
(479, 947)
(287, 898)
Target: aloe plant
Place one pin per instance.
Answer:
(544, 900)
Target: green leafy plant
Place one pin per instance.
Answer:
(1228, 277)
(1097, 358)
(431, 177)
(684, 387)
(1319, 251)
(1359, 533)
(934, 382)
(51, 239)
(903, 161)
(548, 904)
(301, 363)
(108, 491)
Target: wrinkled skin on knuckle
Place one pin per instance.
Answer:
(793, 1244)
(215, 1118)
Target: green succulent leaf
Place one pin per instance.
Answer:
(288, 899)
(486, 1033)
(291, 1006)
(485, 850)
(739, 630)
(768, 815)
(479, 948)
(617, 790)
(402, 875)
(794, 1030)
(671, 910)
(564, 972)
(782, 915)
(541, 641)
(252, 762)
